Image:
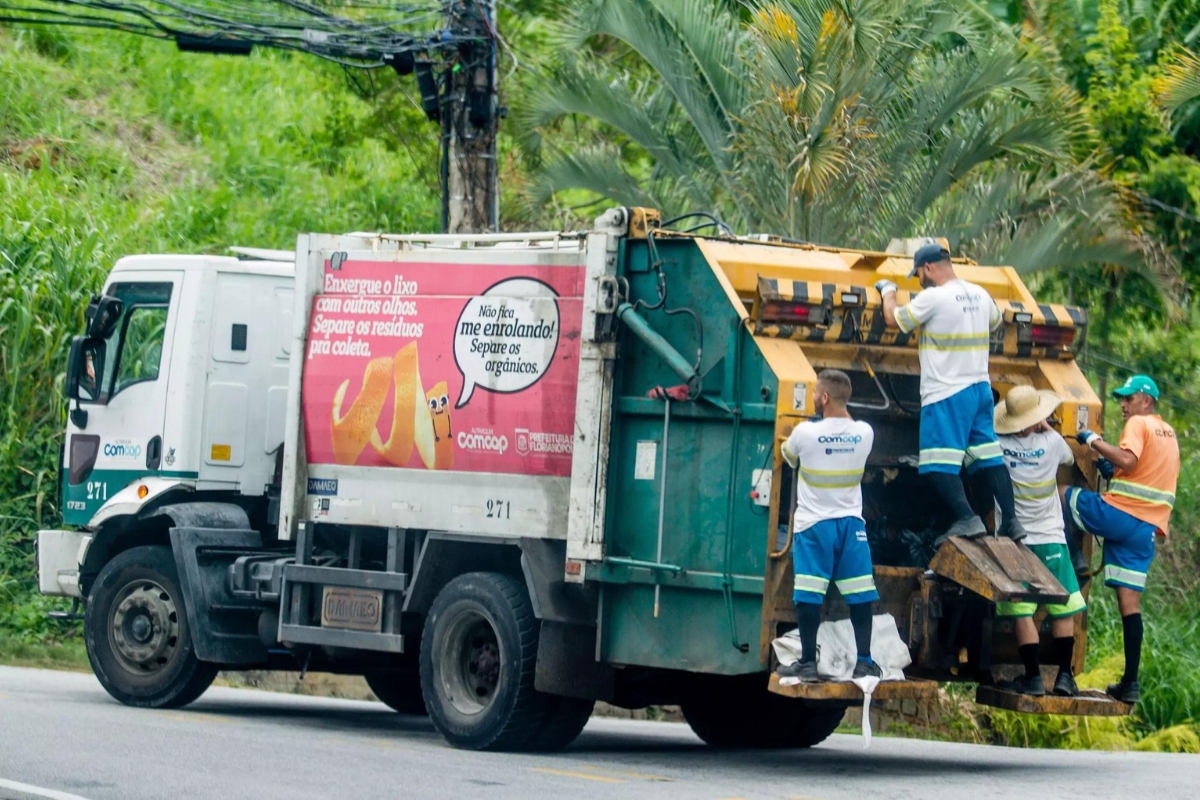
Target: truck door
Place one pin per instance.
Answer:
(120, 439)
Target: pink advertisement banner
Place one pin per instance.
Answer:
(470, 367)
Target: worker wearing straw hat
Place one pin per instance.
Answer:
(1033, 452)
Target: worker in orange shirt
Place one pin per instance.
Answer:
(1135, 509)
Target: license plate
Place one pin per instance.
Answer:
(352, 609)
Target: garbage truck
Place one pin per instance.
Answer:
(504, 476)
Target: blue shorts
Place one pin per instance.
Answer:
(1128, 542)
(834, 549)
(959, 430)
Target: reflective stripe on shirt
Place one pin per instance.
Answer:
(831, 478)
(1139, 492)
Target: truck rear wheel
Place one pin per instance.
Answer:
(137, 636)
(398, 689)
(478, 654)
(746, 715)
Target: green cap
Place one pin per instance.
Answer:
(1138, 383)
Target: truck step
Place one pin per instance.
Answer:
(999, 570)
(913, 689)
(1089, 703)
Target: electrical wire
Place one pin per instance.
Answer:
(365, 35)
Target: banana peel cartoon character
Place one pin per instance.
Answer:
(443, 435)
(351, 432)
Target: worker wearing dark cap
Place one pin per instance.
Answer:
(956, 319)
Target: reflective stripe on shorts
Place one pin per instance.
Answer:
(863, 583)
(1073, 493)
(942, 455)
(1128, 577)
(810, 583)
(982, 452)
(1139, 492)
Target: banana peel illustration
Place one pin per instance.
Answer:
(419, 419)
(409, 398)
(351, 432)
(443, 437)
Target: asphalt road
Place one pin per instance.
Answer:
(62, 737)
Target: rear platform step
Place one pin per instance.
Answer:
(1089, 703)
(844, 690)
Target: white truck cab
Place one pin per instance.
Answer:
(187, 392)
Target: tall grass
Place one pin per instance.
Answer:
(112, 145)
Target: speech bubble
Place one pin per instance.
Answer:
(505, 339)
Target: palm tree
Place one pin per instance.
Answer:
(838, 121)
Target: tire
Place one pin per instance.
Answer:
(137, 636)
(749, 716)
(565, 719)
(399, 690)
(478, 655)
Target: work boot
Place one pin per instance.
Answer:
(1125, 691)
(1013, 529)
(969, 528)
(1025, 684)
(806, 671)
(1083, 570)
(1064, 685)
(864, 668)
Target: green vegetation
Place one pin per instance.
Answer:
(110, 145)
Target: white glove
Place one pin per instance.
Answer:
(883, 286)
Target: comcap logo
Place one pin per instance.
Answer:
(123, 450)
(1025, 453)
(483, 441)
(844, 438)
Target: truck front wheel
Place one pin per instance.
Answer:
(744, 714)
(478, 654)
(137, 635)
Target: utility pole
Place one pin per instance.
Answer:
(469, 117)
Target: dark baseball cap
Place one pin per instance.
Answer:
(928, 254)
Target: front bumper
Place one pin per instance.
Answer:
(59, 556)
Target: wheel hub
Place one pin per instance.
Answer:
(144, 628)
(471, 662)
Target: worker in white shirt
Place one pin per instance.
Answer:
(830, 536)
(955, 318)
(1033, 452)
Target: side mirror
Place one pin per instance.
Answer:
(102, 314)
(85, 369)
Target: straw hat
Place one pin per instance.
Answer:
(1023, 408)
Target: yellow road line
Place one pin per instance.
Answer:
(584, 775)
(636, 775)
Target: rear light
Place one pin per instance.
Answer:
(787, 313)
(1052, 336)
